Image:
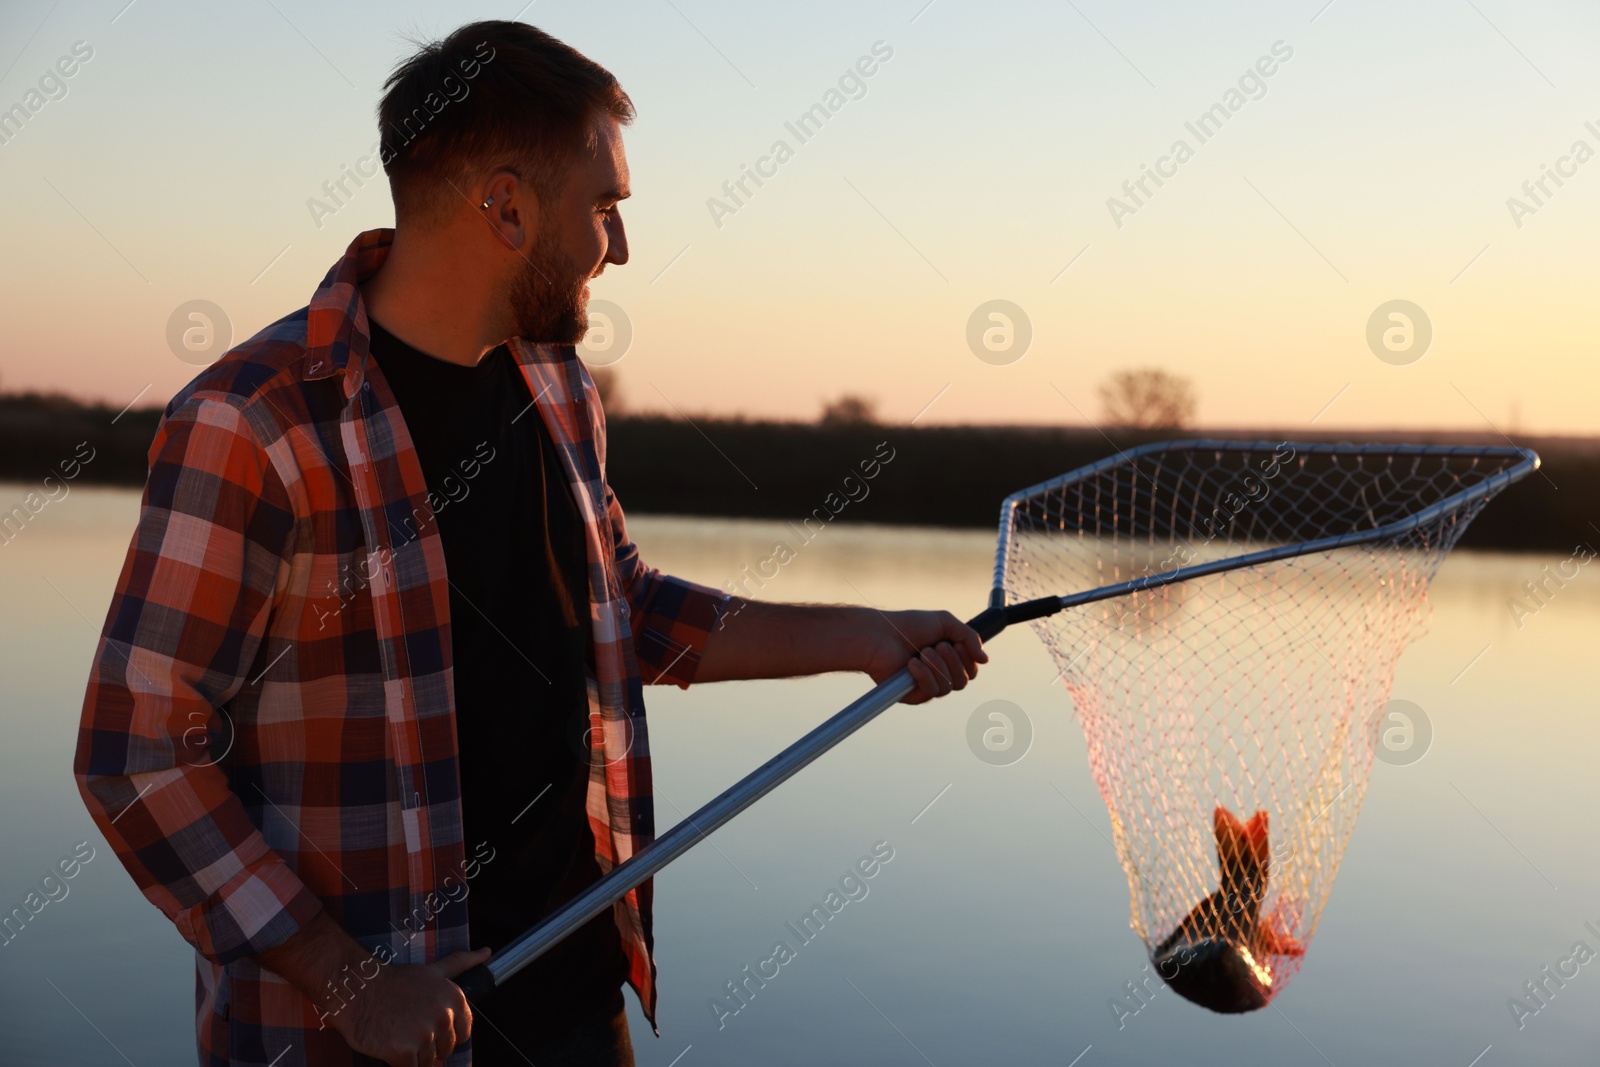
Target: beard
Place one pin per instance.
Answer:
(547, 296)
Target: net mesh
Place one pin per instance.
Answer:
(1253, 690)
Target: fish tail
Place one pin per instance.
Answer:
(1242, 853)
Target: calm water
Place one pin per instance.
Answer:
(999, 930)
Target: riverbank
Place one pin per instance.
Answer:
(952, 476)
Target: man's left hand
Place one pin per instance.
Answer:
(941, 652)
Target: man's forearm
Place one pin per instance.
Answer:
(762, 640)
(788, 640)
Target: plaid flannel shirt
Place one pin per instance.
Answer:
(269, 727)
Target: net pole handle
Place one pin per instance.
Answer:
(481, 980)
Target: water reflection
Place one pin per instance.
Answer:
(1000, 930)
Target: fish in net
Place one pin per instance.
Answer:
(1252, 602)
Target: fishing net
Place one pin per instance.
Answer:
(1232, 717)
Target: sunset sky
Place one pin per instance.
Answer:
(1374, 164)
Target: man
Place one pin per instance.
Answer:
(372, 675)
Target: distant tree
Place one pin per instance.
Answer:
(1148, 398)
(849, 411)
(605, 383)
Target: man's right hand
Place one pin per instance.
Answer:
(410, 1015)
(407, 1015)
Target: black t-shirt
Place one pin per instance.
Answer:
(513, 542)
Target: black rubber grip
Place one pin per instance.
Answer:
(989, 622)
(476, 983)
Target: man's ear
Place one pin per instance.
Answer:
(510, 207)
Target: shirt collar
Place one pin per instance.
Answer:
(336, 321)
(337, 331)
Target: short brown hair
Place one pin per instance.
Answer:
(492, 94)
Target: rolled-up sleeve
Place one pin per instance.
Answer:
(672, 618)
(186, 621)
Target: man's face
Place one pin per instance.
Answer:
(578, 234)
